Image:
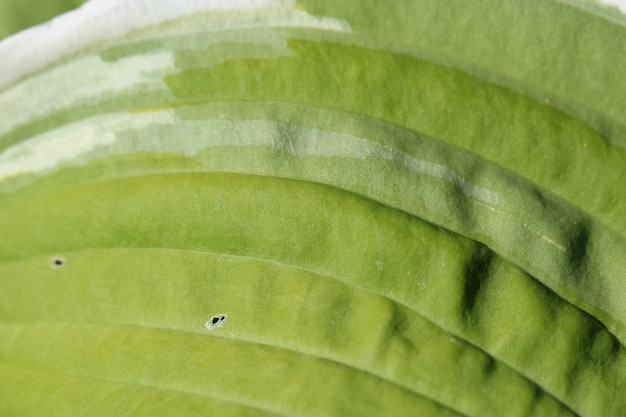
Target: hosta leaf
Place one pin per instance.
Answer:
(314, 209)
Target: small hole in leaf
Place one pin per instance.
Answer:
(57, 261)
(215, 322)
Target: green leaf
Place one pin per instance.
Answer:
(314, 209)
(16, 15)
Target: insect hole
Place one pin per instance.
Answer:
(215, 322)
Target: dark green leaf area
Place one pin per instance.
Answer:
(302, 270)
(542, 55)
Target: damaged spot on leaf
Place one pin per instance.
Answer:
(57, 261)
(215, 322)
